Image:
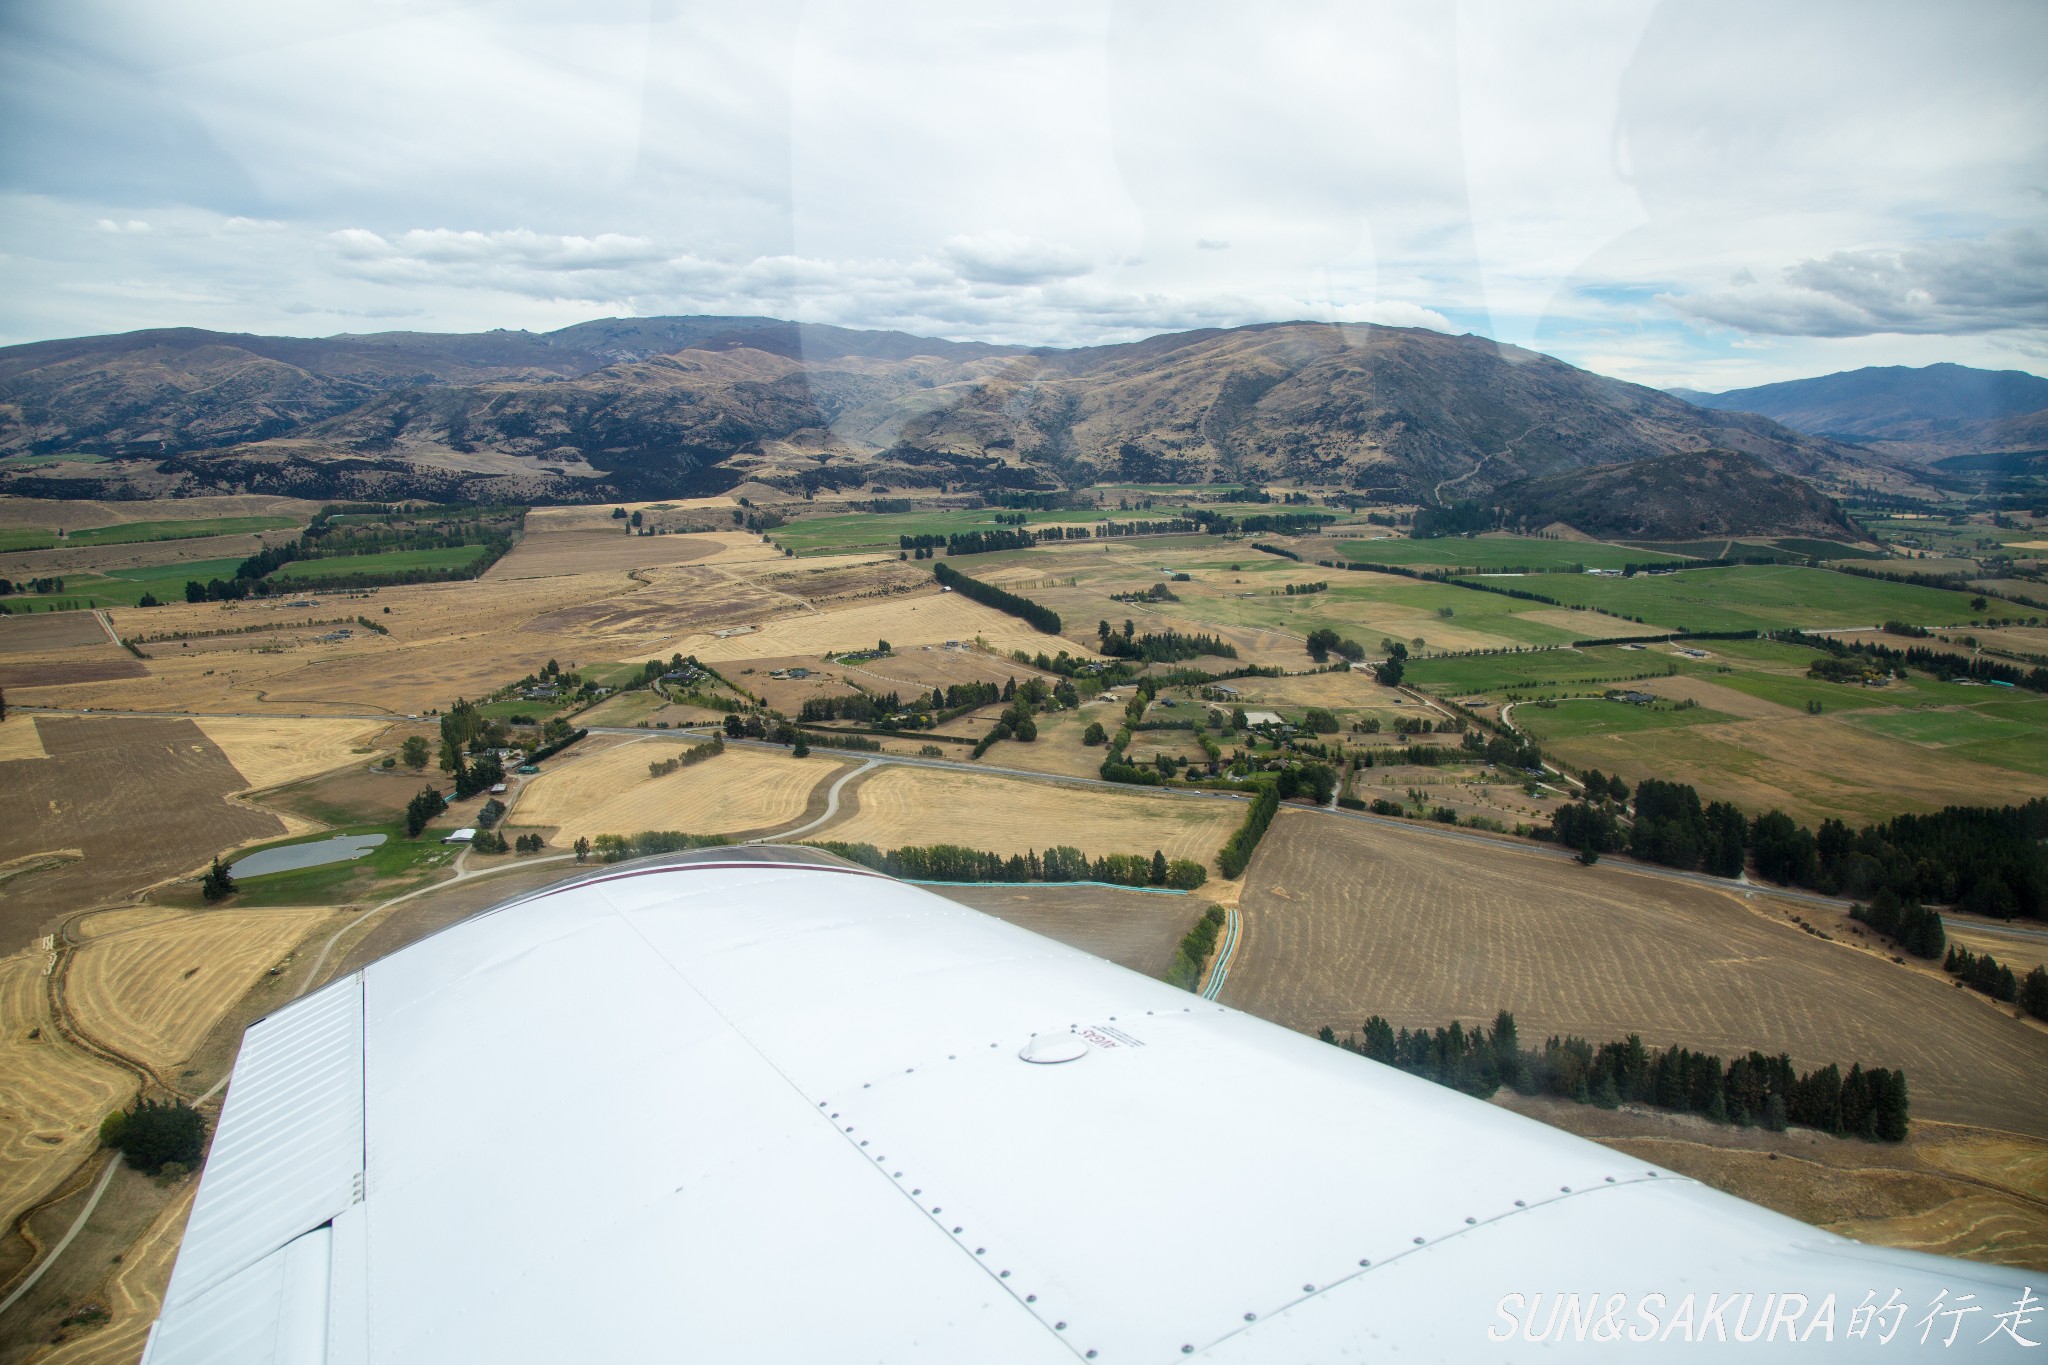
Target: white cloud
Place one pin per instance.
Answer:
(1997, 283)
(1646, 189)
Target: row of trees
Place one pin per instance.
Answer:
(1983, 972)
(1987, 861)
(1237, 850)
(694, 754)
(1167, 646)
(1192, 952)
(1910, 924)
(1323, 642)
(1753, 1089)
(1859, 657)
(1039, 617)
(1061, 863)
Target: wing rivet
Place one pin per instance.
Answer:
(1091, 1355)
(1059, 1327)
(1367, 1261)
(1308, 1289)
(864, 1142)
(1031, 1298)
(981, 1251)
(1005, 1275)
(1187, 1350)
(867, 1085)
(917, 1191)
(956, 1232)
(1521, 1204)
(1610, 1180)
(1418, 1241)
(1564, 1189)
(1470, 1221)
(1251, 1317)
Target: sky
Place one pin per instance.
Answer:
(1700, 193)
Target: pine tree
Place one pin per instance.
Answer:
(217, 884)
(1158, 867)
(802, 747)
(2034, 993)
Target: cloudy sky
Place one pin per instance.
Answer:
(1702, 192)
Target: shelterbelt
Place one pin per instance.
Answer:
(763, 1105)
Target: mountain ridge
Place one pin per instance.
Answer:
(1922, 413)
(662, 406)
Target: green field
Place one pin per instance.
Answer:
(135, 532)
(333, 883)
(868, 531)
(26, 538)
(390, 561)
(1497, 552)
(1757, 597)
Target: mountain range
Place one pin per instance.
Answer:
(650, 407)
(1925, 414)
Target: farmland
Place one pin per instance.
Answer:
(903, 805)
(262, 724)
(1498, 552)
(1344, 919)
(609, 791)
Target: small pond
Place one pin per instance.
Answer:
(318, 853)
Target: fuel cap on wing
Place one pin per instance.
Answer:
(1048, 1048)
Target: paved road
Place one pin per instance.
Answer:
(1224, 952)
(831, 806)
(77, 1225)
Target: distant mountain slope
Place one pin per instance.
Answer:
(659, 406)
(1681, 497)
(1934, 410)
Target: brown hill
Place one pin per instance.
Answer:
(661, 406)
(1689, 496)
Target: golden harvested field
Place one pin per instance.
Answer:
(55, 1095)
(1811, 767)
(20, 739)
(1346, 918)
(81, 514)
(153, 991)
(901, 805)
(144, 799)
(552, 554)
(1358, 689)
(608, 791)
(268, 752)
(921, 619)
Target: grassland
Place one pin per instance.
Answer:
(1754, 597)
(1498, 552)
(1344, 919)
(396, 865)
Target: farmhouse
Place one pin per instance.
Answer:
(460, 836)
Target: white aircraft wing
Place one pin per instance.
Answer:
(759, 1105)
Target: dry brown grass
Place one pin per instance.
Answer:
(42, 632)
(153, 991)
(1947, 1189)
(608, 791)
(901, 806)
(1347, 918)
(1713, 696)
(1130, 928)
(269, 752)
(55, 1095)
(132, 1293)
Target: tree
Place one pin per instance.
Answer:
(422, 808)
(153, 1135)
(2034, 993)
(1978, 604)
(582, 849)
(195, 591)
(217, 885)
(414, 752)
(1320, 642)
(1094, 734)
(802, 747)
(1158, 868)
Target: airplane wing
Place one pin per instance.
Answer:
(762, 1105)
